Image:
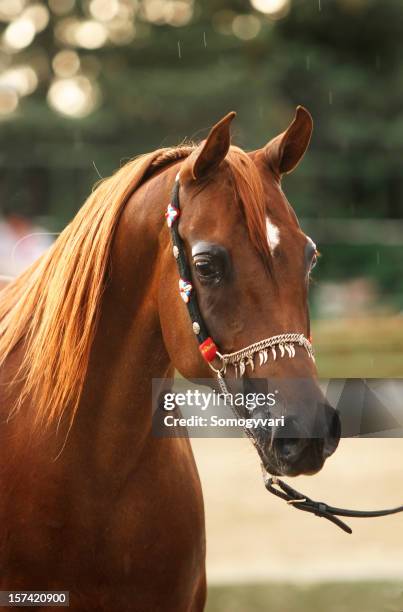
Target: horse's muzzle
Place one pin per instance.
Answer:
(295, 448)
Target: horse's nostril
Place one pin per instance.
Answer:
(288, 449)
(287, 441)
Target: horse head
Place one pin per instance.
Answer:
(250, 269)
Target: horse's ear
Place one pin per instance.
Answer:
(286, 150)
(214, 149)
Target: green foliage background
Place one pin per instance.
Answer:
(340, 58)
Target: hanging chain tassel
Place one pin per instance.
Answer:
(250, 363)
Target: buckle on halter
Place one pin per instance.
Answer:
(219, 371)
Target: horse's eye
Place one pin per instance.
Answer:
(207, 268)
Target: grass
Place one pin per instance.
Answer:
(359, 348)
(323, 597)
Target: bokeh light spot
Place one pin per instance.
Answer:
(66, 63)
(22, 79)
(75, 97)
(19, 34)
(276, 9)
(10, 9)
(90, 34)
(8, 101)
(104, 10)
(121, 32)
(246, 27)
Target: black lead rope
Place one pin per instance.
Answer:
(208, 350)
(302, 502)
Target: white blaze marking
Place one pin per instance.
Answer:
(273, 235)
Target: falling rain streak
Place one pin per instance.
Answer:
(96, 170)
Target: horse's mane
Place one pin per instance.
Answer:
(53, 308)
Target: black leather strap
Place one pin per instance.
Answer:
(185, 272)
(302, 502)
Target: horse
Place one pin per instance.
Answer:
(91, 502)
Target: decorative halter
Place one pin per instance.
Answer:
(284, 344)
(243, 358)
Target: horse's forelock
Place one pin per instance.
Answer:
(250, 191)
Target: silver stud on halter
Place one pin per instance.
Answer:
(266, 349)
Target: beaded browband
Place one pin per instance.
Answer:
(239, 360)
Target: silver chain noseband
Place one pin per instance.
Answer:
(243, 358)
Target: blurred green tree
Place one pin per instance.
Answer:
(115, 78)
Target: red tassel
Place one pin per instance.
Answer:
(208, 349)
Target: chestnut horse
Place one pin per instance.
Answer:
(90, 501)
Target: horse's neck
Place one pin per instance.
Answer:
(115, 410)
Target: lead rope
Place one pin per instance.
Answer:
(302, 502)
(240, 360)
